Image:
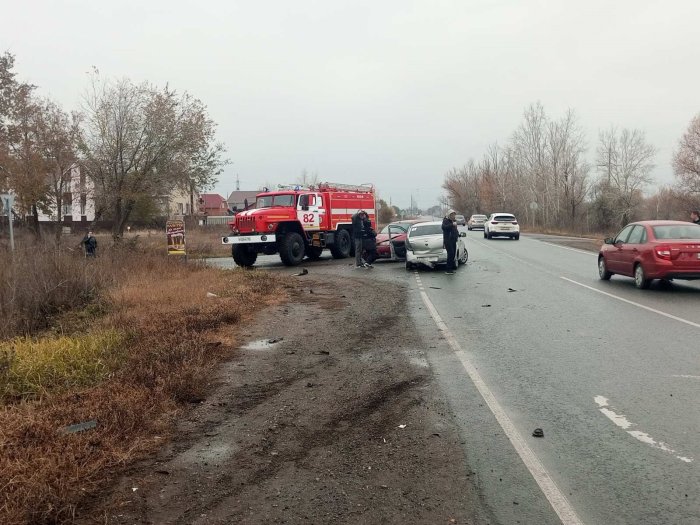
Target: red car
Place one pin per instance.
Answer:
(648, 250)
(399, 230)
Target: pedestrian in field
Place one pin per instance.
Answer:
(695, 216)
(90, 244)
(450, 234)
(369, 242)
(358, 229)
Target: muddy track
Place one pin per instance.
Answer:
(308, 431)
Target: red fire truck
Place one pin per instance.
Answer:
(297, 221)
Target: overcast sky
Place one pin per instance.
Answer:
(389, 92)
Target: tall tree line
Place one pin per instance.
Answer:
(542, 174)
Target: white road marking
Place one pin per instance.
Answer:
(686, 376)
(621, 421)
(570, 249)
(638, 305)
(556, 498)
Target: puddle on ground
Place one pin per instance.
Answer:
(419, 362)
(214, 454)
(262, 344)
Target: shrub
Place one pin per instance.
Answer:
(32, 368)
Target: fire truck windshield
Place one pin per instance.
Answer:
(268, 201)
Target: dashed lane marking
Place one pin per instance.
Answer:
(556, 498)
(621, 421)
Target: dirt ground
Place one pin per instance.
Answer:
(310, 429)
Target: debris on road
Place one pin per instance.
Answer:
(402, 426)
(322, 352)
(512, 290)
(486, 306)
(209, 294)
(303, 271)
(538, 433)
(80, 427)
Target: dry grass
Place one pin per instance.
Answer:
(166, 335)
(34, 368)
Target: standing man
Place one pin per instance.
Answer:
(358, 233)
(695, 216)
(369, 242)
(90, 244)
(450, 234)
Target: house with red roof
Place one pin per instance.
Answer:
(212, 204)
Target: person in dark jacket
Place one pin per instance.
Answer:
(90, 244)
(358, 233)
(450, 234)
(369, 243)
(695, 216)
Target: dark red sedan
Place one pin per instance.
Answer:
(648, 250)
(399, 231)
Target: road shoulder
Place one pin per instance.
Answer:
(339, 421)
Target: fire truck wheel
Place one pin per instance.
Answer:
(292, 249)
(243, 255)
(341, 248)
(314, 252)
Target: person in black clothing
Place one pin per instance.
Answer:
(90, 244)
(695, 216)
(358, 234)
(450, 234)
(369, 242)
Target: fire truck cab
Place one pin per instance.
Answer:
(299, 222)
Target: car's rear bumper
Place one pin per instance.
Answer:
(506, 232)
(675, 273)
(683, 276)
(670, 270)
(427, 259)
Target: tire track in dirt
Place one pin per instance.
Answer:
(292, 435)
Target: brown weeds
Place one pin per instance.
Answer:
(174, 328)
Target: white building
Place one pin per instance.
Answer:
(78, 201)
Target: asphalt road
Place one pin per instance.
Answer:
(610, 373)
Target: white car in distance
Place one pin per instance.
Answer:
(424, 246)
(502, 225)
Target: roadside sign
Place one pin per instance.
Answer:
(175, 231)
(7, 200)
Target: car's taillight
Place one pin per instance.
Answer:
(663, 251)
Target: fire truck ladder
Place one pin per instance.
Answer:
(331, 186)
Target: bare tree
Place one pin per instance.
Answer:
(462, 186)
(530, 145)
(308, 179)
(138, 140)
(567, 146)
(686, 159)
(625, 160)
